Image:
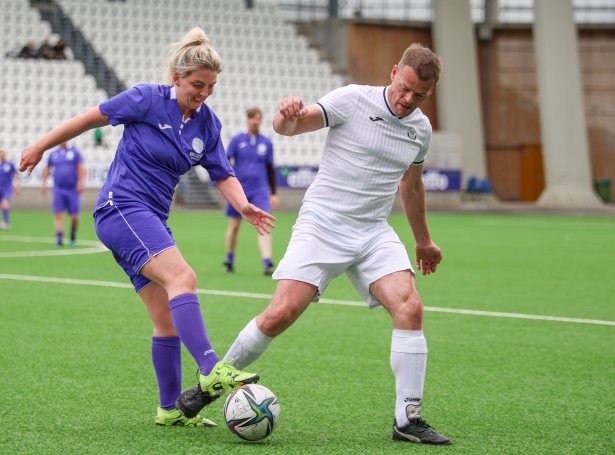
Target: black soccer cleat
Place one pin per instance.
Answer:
(228, 267)
(191, 401)
(419, 431)
(269, 270)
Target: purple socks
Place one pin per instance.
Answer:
(188, 322)
(166, 356)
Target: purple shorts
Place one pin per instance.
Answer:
(6, 192)
(66, 200)
(134, 234)
(261, 200)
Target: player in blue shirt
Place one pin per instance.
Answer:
(8, 173)
(167, 130)
(252, 156)
(66, 165)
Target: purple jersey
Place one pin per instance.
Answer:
(158, 146)
(251, 155)
(64, 164)
(7, 172)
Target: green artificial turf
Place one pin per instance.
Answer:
(76, 374)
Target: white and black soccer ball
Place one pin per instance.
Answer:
(252, 412)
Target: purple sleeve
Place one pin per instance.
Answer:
(129, 106)
(79, 156)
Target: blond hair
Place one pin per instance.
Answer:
(190, 53)
(426, 64)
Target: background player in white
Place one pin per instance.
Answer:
(377, 142)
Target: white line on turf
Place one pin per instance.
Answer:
(93, 247)
(252, 295)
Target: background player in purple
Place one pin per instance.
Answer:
(8, 174)
(251, 154)
(66, 165)
(167, 130)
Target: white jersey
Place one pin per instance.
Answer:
(367, 151)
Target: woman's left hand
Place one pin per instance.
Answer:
(261, 220)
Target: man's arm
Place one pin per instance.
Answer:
(81, 176)
(294, 118)
(412, 194)
(44, 177)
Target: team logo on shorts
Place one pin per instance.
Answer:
(411, 134)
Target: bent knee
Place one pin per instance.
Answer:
(274, 321)
(411, 309)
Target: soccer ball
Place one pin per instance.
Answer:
(252, 412)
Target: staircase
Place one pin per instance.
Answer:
(61, 24)
(194, 193)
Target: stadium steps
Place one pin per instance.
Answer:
(194, 193)
(62, 25)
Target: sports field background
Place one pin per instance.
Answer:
(76, 375)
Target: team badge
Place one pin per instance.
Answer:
(411, 134)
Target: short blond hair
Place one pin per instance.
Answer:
(192, 52)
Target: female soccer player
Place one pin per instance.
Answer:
(167, 130)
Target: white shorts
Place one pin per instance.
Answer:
(324, 246)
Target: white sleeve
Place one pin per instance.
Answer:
(337, 106)
(420, 158)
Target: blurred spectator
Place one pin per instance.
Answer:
(46, 51)
(59, 49)
(28, 51)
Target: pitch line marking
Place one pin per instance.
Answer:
(253, 295)
(94, 247)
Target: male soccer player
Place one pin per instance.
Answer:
(251, 154)
(8, 173)
(66, 165)
(377, 141)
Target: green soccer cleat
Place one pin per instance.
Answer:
(174, 417)
(225, 376)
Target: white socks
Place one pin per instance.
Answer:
(248, 346)
(408, 362)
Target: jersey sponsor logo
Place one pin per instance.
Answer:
(164, 126)
(411, 134)
(376, 119)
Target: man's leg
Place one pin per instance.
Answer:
(232, 231)
(265, 248)
(290, 300)
(74, 225)
(397, 293)
(58, 225)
